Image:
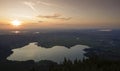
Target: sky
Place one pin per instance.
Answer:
(45, 14)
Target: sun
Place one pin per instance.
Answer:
(16, 23)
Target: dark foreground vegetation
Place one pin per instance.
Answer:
(92, 64)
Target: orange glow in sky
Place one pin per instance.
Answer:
(59, 13)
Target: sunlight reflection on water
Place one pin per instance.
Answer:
(55, 53)
(16, 32)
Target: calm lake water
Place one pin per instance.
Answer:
(55, 53)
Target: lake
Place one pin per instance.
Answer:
(56, 53)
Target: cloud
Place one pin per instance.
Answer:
(54, 16)
(50, 16)
(44, 3)
(31, 5)
(40, 21)
(64, 18)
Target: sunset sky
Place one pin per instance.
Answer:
(42, 14)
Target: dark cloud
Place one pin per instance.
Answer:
(55, 16)
(40, 21)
